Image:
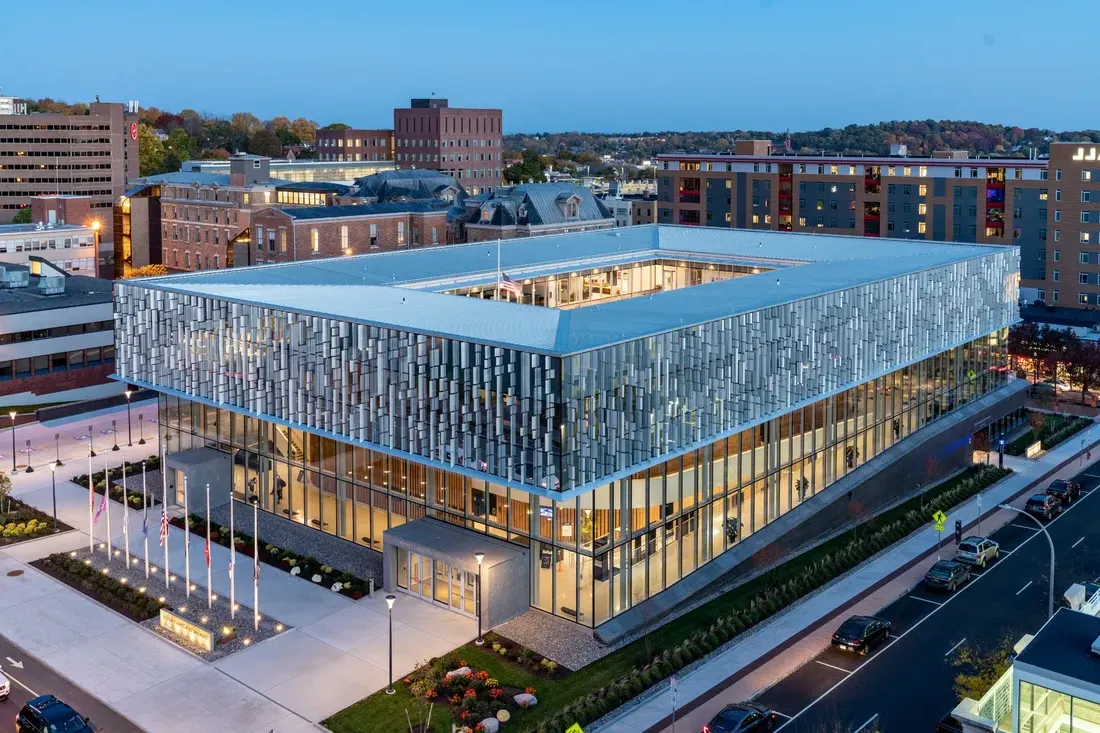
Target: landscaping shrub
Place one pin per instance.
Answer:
(128, 468)
(128, 601)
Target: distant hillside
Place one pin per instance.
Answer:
(922, 137)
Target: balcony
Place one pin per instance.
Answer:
(689, 197)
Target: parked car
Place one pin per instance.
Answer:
(1064, 490)
(860, 634)
(1044, 505)
(744, 717)
(5, 687)
(1057, 384)
(947, 575)
(47, 714)
(978, 551)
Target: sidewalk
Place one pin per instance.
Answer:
(335, 654)
(759, 659)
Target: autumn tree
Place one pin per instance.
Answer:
(306, 130)
(982, 668)
(265, 142)
(147, 271)
(245, 122)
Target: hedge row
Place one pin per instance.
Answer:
(1073, 426)
(602, 701)
(130, 602)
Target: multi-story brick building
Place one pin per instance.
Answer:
(354, 145)
(89, 155)
(291, 234)
(200, 214)
(947, 197)
(464, 143)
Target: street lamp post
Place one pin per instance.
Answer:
(91, 441)
(254, 500)
(1050, 599)
(129, 424)
(479, 556)
(57, 448)
(13, 451)
(114, 434)
(390, 598)
(53, 487)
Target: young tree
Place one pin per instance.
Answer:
(5, 493)
(23, 216)
(984, 668)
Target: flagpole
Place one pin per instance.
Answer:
(125, 518)
(186, 538)
(255, 561)
(106, 500)
(91, 503)
(232, 559)
(498, 268)
(164, 513)
(145, 518)
(209, 590)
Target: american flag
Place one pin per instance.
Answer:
(163, 526)
(145, 522)
(206, 552)
(509, 285)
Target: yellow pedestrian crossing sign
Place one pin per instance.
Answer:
(939, 518)
(575, 728)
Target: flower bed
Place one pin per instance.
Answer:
(130, 602)
(471, 696)
(128, 468)
(20, 522)
(303, 566)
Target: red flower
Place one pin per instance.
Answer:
(408, 680)
(530, 690)
(471, 693)
(430, 694)
(465, 714)
(483, 675)
(495, 692)
(461, 662)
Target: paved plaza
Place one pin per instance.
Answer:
(335, 655)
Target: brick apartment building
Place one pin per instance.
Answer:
(463, 143)
(950, 197)
(354, 145)
(89, 155)
(290, 234)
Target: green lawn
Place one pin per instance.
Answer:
(381, 712)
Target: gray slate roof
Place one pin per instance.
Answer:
(537, 204)
(338, 212)
(419, 184)
(398, 289)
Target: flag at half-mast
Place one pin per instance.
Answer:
(100, 509)
(509, 285)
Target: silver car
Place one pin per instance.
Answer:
(5, 687)
(977, 551)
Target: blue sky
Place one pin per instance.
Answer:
(605, 66)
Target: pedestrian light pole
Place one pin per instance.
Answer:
(1043, 529)
(479, 556)
(141, 429)
(390, 598)
(13, 451)
(57, 449)
(53, 488)
(129, 424)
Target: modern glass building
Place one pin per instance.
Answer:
(613, 412)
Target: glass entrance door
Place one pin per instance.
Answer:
(438, 582)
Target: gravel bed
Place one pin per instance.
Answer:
(333, 551)
(153, 485)
(193, 609)
(566, 643)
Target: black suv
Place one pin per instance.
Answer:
(1043, 505)
(744, 717)
(859, 633)
(47, 714)
(947, 574)
(1065, 491)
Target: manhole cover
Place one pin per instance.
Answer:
(14, 573)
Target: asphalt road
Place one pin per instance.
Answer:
(34, 679)
(908, 681)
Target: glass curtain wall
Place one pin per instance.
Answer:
(1044, 711)
(596, 555)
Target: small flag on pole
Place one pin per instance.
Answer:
(145, 523)
(206, 551)
(510, 285)
(100, 509)
(163, 525)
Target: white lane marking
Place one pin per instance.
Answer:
(869, 721)
(1023, 526)
(16, 681)
(893, 641)
(833, 666)
(955, 647)
(1077, 543)
(782, 715)
(1024, 588)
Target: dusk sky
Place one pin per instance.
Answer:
(569, 65)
